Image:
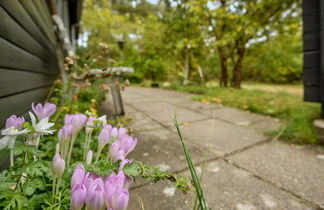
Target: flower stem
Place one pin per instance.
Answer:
(98, 153)
(11, 157)
(71, 148)
(53, 189)
(58, 186)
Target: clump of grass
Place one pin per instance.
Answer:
(297, 115)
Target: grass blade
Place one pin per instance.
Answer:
(199, 192)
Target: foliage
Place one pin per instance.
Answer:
(174, 40)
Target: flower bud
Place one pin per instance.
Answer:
(65, 132)
(89, 157)
(58, 165)
(78, 175)
(114, 132)
(89, 124)
(103, 137)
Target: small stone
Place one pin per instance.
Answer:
(145, 154)
(169, 191)
(214, 169)
(268, 201)
(240, 206)
(321, 157)
(163, 167)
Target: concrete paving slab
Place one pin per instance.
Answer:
(238, 117)
(199, 106)
(141, 122)
(165, 116)
(296, 169)
(162, 148)
(221, 137)
(225, 187)
(266, 125)
(152, 107)
(129, 109)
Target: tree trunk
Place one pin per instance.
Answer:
(237, 70)
(186, 67)
(201, 74)
(223, 76)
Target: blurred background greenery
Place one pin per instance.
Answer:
(241, 53)
(196, 41)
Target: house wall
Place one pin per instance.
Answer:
(30, 55)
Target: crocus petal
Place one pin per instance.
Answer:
(78, 196)
(4, 141)
(77, 176)
(121, 202)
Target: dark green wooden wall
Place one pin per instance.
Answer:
(30, 55)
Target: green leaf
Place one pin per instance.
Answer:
(132, 169)
(10, 199)
(103, 167)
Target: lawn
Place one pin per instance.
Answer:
(281, 101)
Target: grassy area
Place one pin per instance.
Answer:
(287, 106)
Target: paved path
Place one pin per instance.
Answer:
(244, 169)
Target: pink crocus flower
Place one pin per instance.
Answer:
(127, 144)
(76, 120)
(120, 148)
(121, 201)
(122, 132)
(44, 111)
(95, 195)
(78, 197)
(114, 185)
(14, 121)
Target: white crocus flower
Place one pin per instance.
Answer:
(10, 135)
(43, 126)
(103, 119)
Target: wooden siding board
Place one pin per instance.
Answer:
(21, 81)
(312, 41)
(17, 11)
(16, 34)
(16, 58)
(312, 59)
(310, 6)
(312, 22)
(20, 103)
(311, 93)
(312, 77)
(35, 15)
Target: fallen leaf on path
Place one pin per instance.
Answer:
(217, 100)
(204, 101)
